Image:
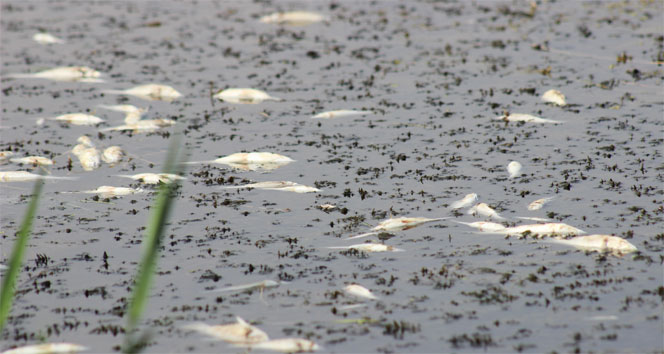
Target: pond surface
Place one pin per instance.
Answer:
(435, 75)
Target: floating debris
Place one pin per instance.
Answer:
(78, 119)
(484, 225)
(146, 125)
(484, 210)
(360, 291)
(285, 186)
(539, 203)
(293, 18)
(285, 345)
(64, 73)
(151, 92)
(514, 169)
(396, 224)
(21, 176)
(244, 95)
(340, 113)
(598, 243)
(153, 178)
(112, 154)
(46, 38)
(132, 113)
(110, 191)
(519, 117)
(49, 348)
(239, 332)
(370, 247)
(251, 160)
(33, 160)
(265, 284)
(547, 229)
(555, 97)
(468, 200)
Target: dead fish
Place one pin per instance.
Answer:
(468, 200)
(598, 243)
(285, 186)
(132, 113)
(370, 247)
(251, 160)
(78, 119)
(110, 191)
(293, 18)
(33, 160)
(46, 38)
(396, 224)
(89, 158)
(239, 332)
(265, 284)
(145, 125)
(152, 92)
(244, 95)
(340, 113)
(360, 291)
(539, 203)
(484, 210)
(555, 97)
(48, 348)
(64, 73)
(5, 155)
(514, 169)
(285, 345)
(112, 154)
(326, 207)
(519, 117)
(547, 229)
(21, 176)
(153, 178)
(484, 225)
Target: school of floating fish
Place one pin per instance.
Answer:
(242, 333)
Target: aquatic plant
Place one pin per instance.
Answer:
(9, 279)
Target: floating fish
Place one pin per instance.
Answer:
(285, 345)
(110, 191)
(484, 225)
(598, 243)
(285, 186)
(145, 125)
(251, 160)
(49, 348)
(20, 176)
(152, 92)
(554, 96)
(293, 18)
(46, 38)
(514, 169)
(64, 73)
(370, 247)
(5, 155)
(360, 291)
(132, 113)
(468, 200)
(112, 154)
(265, 284)
(484, 210)
(547, 229)
(539, 203)
(340, 113)
(519, 117)
(89, 158)
(33, 160)
(327, 207)
(244, 95)
(78, 119)
(239, 332)
(153, 178)
(396, 224)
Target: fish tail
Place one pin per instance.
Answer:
(362, 235)
(21, 76)
(60, 177)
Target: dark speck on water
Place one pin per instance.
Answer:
(434, 75)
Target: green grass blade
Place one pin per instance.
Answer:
(9, 280)
(151, 244)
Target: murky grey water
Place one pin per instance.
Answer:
(435, 74)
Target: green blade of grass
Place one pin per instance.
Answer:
(152, 241)
(9, 280)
